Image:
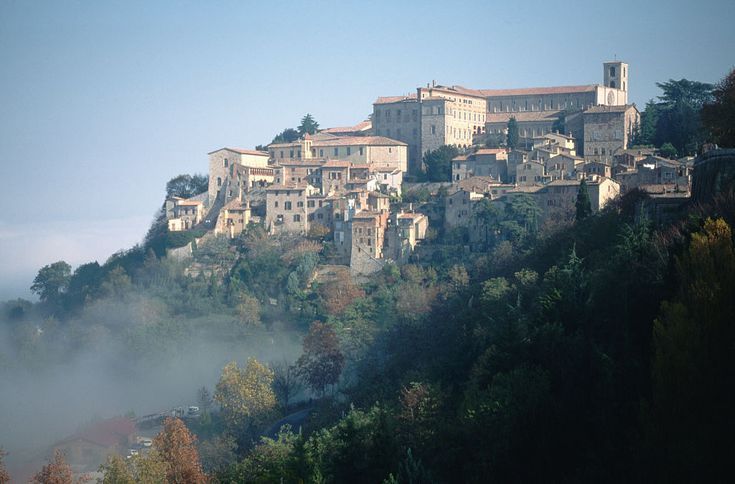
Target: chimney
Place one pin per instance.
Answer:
(433, 83)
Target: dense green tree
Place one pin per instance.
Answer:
(679, 114)
(288, 135)
(308, 125)
(513, 136)
(52, 281)
(186, 186)
(649, 121)
(583, 205)
(439, 163)
(718, 116)
(668, 150)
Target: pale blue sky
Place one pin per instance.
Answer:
(101, 102)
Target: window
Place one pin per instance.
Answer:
(360, 150)
(298, 154)
(433, 129)
(300, 204)
(290, 154)
(321, 153)
(281, 153)
(310, 204)
(297, 218)
(219, 181)
(287, 205)
(336, 151)
(226, 162)
(349, 151)
(320, 216)
(612, 72)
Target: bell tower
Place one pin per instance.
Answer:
(616, 75)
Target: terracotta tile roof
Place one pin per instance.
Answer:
(363, 126)
(360, 140)
(395, 99)
(235, 204)
(537, 91)
(523, 116)
(490, 151)
(241, 151)
(337, 164)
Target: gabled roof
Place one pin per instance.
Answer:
(359, 127)
(241, 151)
(360, 140)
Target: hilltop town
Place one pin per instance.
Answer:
(364, 188)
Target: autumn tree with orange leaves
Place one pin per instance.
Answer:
(322, 361)
(57, 471)
(177, 448)
(339, 293)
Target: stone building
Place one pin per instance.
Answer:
(221, 169)
(607, 130)
(563, 167)
(492, 162)
(562, 194)
(530, 173)
(598, 168)
(436, 115)
(405, 231)
(453, 115)
(184, 214)
(656, 175)
(233, 218)
(375, 151)
(286, 208)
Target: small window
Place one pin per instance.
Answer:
(349, 151)
(287, 205)
(226, 162)
(336, 151)
(297, 218)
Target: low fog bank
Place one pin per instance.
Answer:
(39, 407)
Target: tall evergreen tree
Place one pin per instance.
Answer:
(513, 135)
(583, 204)
(308, 125)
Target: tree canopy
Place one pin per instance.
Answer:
(513, 136)
(718, 115)
(439, 163)
(308, 125)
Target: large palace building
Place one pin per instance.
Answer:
(437, 115)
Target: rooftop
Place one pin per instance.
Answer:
(395, 99)
(609, 109)
(241, 151)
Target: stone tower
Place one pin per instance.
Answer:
(616, 75)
